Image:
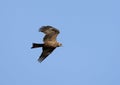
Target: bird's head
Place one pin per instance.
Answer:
(59, 44)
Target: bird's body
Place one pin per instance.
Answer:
(50, 42)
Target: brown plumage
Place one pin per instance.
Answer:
(50, 42)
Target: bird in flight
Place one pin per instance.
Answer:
(50, 42)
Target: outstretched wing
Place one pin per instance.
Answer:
(45, 53)
(51, 33)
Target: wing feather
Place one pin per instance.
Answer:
(45, 53)
(51, 33)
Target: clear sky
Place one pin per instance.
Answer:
(90, 34)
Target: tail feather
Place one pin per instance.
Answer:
(36, 45)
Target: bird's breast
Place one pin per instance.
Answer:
(51, 44)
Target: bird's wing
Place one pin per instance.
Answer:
(45, 53)
(51, 33)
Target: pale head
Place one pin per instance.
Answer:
(59, 44)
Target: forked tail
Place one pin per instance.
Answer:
(36, 45)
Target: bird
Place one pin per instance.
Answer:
(50, 42)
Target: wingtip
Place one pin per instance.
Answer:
(44, 28)
(39, 60)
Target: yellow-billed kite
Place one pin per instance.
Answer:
(50, 42)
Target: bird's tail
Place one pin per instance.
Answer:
(36, 45)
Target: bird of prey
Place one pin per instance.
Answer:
(50, 42)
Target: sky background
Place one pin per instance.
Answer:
(90, 34)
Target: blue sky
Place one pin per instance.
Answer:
(90, 34)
